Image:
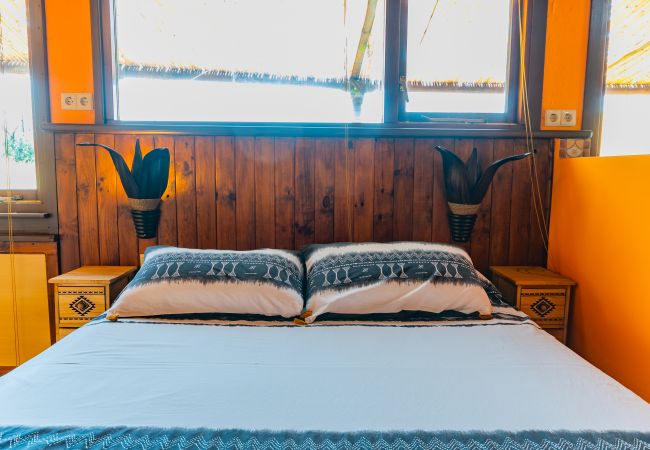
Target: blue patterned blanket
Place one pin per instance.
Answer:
(152, 438)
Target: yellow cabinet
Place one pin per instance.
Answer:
(24, 309)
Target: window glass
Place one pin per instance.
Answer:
(17, 165)
(457, 56)
(250, 60)
(626, 111)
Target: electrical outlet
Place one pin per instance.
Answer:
(553, 118)
(568, 118)
(69, 101)
(77, 101)
(85, 101)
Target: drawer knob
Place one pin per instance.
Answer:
(82, 305)
(543, 306)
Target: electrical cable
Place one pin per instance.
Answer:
(540, 216)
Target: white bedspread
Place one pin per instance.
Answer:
(339, 378)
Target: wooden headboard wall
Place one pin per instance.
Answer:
(245, 192)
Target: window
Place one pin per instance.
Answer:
(322, 61)
(27, 170)
(626, 108)
(458, 56)
(18, 166)
(250, 60)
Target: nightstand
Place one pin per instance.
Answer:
(85, 293)
(543, 295)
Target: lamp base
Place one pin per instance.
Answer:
(461, 226)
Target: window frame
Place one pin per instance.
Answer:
(512, 82)
(395, 116)
(36, 213)
(596, 71)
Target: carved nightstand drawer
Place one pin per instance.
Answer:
(544, 306)
(80, 304)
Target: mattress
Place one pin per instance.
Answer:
(503, 383)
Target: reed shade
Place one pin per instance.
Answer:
(628, 55)
(158, 39)
(14, 56)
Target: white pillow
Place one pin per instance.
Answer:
(180, 281)
(389, 278)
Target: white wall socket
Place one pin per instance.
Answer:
(68, 101)
(77, 101)
(568, 118)
(560, 117)
(553, 118)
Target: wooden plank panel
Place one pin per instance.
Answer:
(206, 203)
(264, 193)
(284, 192)
(539, 217)
(383, 209)
(87, 201)
(324, 190)
(127, 239)
(423, 190)
(245, 189)
(520, 209)
(364, 172)
(440, 224)
(66, 190)
(109, 253)
(403, 190)
(226, 197)
(167, 227)
(305, 213)
(343, 191)
(185, 191)
(146, 145)
(480, 244)
(501, 199)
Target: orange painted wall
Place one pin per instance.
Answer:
(567, 35)
(69, 54)
(600, 238)
(599, 222)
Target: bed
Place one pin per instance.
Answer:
(445, 384)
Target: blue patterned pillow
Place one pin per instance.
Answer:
(178, 281)
(374, 278)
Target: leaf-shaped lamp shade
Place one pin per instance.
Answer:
(457, 185)
(479, 189)
(464, 182)
(126, 177)
(147, 178)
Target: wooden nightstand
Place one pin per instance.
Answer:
(544, 295)
(85, 293)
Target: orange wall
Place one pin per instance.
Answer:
(600, 238)
(599, 221)
(567, 35)
(69, 55)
